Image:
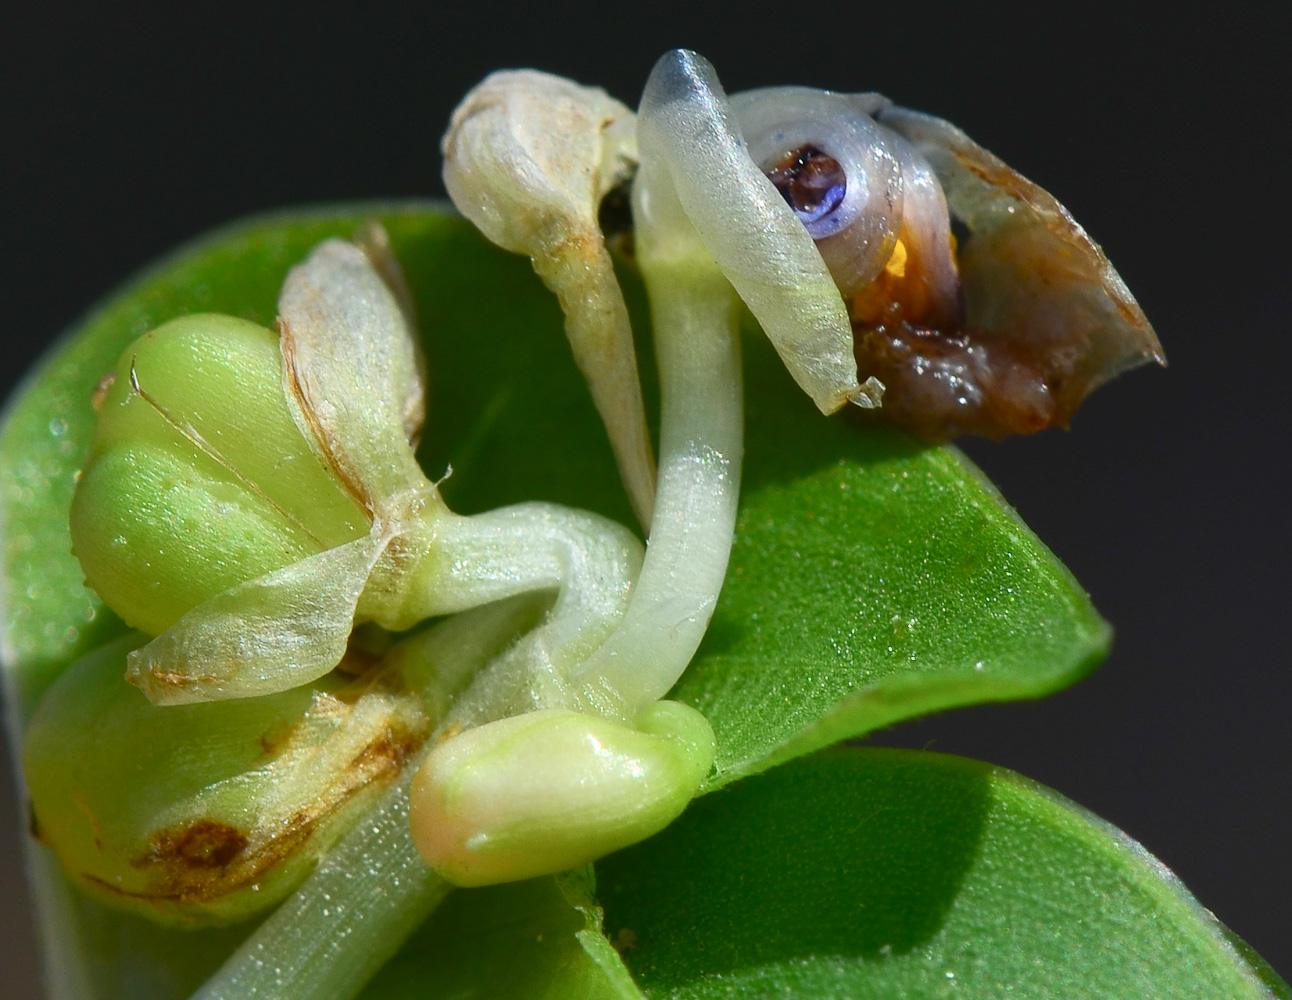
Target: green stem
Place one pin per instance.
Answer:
(346, 921)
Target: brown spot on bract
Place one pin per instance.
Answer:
(202, 860)
(203, 843)
(78, 800)
(449, 732)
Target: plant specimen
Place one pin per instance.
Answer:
(348, 698)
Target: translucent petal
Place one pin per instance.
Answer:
(280, 630)
(351, 367)
(1030, 271)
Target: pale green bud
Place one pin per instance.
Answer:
(208, 813)
(198, 477)
(550, 790)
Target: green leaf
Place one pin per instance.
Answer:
(873, 580)
(881, 874)
(536, 940)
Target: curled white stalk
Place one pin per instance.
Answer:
(589, 561)
(528, 158)
(699, 485)
(694, 314)
(706, 219)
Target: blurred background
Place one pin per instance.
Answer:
(127, 130)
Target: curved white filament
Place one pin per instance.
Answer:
(591, 563)
(694, 313)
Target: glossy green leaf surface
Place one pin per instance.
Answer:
(879, 874)
(872, 580)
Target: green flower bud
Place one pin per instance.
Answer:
(550, 790)
(198, 477)
(207, 813)
(250, 496)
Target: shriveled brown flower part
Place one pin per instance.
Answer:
(1045, 321)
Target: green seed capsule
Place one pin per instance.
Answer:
(198, 477)
(550, 790)
(208, 813)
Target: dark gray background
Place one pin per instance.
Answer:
(128, 130)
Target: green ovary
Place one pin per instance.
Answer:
(198, 477)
